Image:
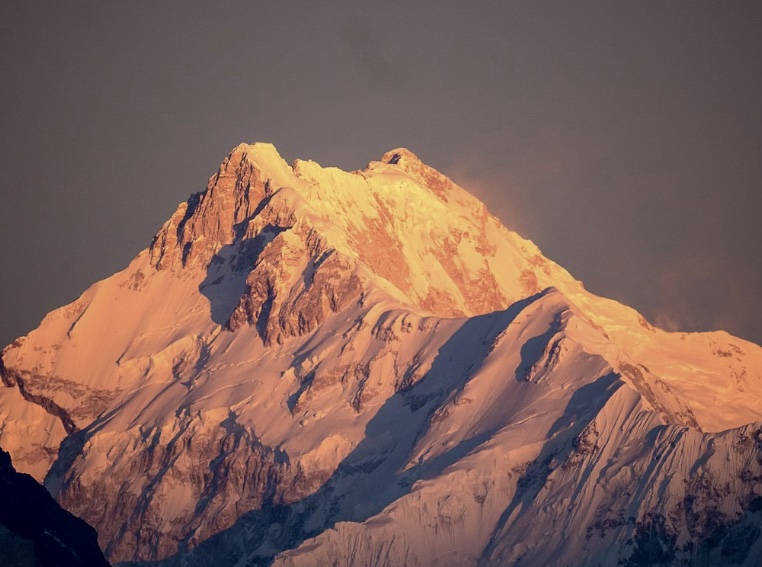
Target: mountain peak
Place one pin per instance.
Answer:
(400, 156)
(262, 150)
(263, 156)
(427, 176)
(416, 236)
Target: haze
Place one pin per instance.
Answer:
(624, 139)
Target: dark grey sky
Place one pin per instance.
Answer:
(624, 138)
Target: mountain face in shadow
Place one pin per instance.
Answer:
(316, 367)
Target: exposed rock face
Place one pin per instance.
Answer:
(35, 530)
(309, 366)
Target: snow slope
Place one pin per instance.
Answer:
(367, 368)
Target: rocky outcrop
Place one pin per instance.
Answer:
(218, 214)
(279, 307)
(13, 379)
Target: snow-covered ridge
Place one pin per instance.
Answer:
(370, 356)
(421, 238)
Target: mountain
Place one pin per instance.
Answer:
(316, 367)
(36, 531)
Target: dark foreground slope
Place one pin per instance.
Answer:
(35, 530)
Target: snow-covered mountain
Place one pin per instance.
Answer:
(315, 367)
